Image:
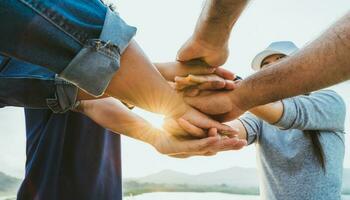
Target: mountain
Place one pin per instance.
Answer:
(8, 185)
(235, 176)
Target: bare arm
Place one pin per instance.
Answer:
(270, 113)
(139, 83)
(217, 19)
(322, 63)
(113, 115)
(209, 41)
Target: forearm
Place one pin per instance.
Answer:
(322, 63)
(217, 19)
(139, 83)
(113, 115)
(270, 113)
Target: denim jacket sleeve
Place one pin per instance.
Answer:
(26, 85)
(79, 40)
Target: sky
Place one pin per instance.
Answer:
(163, 26)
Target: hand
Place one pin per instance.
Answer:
(167, 144)
(196, 49)
(195, 123)
(193, 84)
(223, 105)
(172, 69)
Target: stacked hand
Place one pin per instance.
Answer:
(194, 80)
(222, 105)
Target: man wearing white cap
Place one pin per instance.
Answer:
(300, 151)
(275, 50)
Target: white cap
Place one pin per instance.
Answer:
(281, 47)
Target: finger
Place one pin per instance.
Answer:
(226, 145)
(213, 132)
(221, 128)
(196, 67)
(202, 121)
(204, 78)
(230, 85)
(181, 156)
(233, 145)
(209, 153)
(191, 129)
(212, 85)
(224, 73)
(183, 82)
(172, 84)
(191, 91)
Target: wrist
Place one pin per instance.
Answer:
(240, 98)
(213, 40)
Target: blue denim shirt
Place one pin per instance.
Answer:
(80, 40)
(69, 156)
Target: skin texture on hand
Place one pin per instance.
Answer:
(113, 115)
(208, 93)
(183, 148)
(194, 49)
(194, 119)
(171, 70)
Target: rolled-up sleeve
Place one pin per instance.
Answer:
(65, 97)
(96, 63)
(252, 126)
(26, 85)
(81, 40)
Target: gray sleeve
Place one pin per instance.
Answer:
(322, 110)
(252, 125)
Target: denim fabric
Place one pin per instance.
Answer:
(69, 156)
(65, 36)
(26, 85)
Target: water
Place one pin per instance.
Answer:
(196, 196)
(191, 196)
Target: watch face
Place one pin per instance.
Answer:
(238, 78)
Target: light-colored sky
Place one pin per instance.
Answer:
(163, 25)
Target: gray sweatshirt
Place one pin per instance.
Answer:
(287, 165)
